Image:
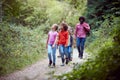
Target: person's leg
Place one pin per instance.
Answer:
(70, 51)
(49, 54)
(82, 46)
(59, 52)
(78, 45)
(54, 55)
(66, 54)
(61, 48)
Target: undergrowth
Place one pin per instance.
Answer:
(20, 47)
(105, 61)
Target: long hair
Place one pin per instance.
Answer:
(65, 26)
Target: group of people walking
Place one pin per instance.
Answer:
(63, 39)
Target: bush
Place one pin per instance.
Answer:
(19, 47)
(105, 63)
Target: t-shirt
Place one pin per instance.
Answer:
(63, 37)
(52, 37)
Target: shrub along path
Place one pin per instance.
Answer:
(41, 71)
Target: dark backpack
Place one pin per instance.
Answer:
(87, 32)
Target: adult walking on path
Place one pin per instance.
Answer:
(81, 30)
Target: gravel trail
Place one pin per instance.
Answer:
(41, 71)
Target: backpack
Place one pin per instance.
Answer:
(87, 32)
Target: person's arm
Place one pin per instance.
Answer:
(56, 40)
(67, 36)
(86, 26)
(47, 41)
(75, 32)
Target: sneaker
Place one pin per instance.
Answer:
(53, 64)
(67, 60)
(50, 62)
(70, 59)
(58, 56)
(62, 64)
(81, 57)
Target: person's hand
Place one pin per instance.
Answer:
(53, 46)
(65, 45)
(74, 37)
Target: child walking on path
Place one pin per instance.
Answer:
(70, 43)
(51, 44)
(63, 42)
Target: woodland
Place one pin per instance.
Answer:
(25, 23)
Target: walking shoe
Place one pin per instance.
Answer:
(58, 56)
(67, 60)
(53, 64)
(50, 62)
(81, 57)
(62, 64)
(70, 59)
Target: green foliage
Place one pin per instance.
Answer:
(11, 10)
(98, 10)
(103, 44)
(105, 63)
(26, 21)
(19, 47)
(7, 37)
(38, 14)
(77, 9)
(25, 12)
(32, 13)
(23, 45)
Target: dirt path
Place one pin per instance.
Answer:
(41, 71)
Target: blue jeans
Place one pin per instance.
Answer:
(69, 51)
(63, 51)
(52, 53)
(80, 42)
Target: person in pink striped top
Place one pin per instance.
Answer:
(81, 30)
